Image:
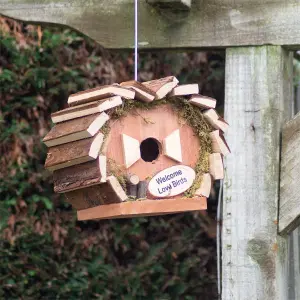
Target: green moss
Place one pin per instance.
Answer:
(117, 171)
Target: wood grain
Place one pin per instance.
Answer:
(99, 93)
(219, 144)
(215, 120)
(142, 92)
(92, 196)
(143, 124)
(203, 102)
(216, 168)
(258, 100)
(210, 23)
(74, 130)
(73, 153)
(185, 90)
(206, 185)
(85, 109)
(80, 176)
(289, 214)
(142, 208)
(142, 189)
(161, 86)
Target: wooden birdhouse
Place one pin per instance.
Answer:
(137, 149)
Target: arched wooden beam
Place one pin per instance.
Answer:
(210, 23)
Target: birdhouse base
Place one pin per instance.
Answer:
(142, 208)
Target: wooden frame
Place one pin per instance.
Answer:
(142, 208)
(210, 23)
(258, 102)
(258, 97)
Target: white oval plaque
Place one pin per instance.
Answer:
(171, 181)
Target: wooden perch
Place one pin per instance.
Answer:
(172, 146)
(75, 130)
(80, 176)
(142, 208)
(105, 193)
(203, 101)
(142, 92)
(100, 93)
(73, 153)
(132, 185)
(162, 86)
(205, 187)
(185, 90)
(86, 109)
(142, 189)
(216, 168)
(215, 120)
(219, 144)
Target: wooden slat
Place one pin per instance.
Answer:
(85, 109)
(219, 144)
(211, 23)
(289, 214)
(80, 176)
(105, 193)
(254, 258)
(142, 208)
(74, 153)
(294, 265)
(216, 168)
(76, 129)
(142, 93)
(205, 187)
(99, 93)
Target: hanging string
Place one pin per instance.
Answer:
(135, 39)
(219, 241)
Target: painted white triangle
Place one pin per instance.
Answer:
(131, 150)
(172, 146)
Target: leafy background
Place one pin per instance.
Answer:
(44, 252)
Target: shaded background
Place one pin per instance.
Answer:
(44, 252)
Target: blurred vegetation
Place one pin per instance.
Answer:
(44, 252)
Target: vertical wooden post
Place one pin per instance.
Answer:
(258, 100)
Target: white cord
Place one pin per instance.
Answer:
(219, 238)
(135, 39)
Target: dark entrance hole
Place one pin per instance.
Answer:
(149, 149)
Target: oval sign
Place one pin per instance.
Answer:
(171, 181)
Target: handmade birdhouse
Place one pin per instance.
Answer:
(137, 149)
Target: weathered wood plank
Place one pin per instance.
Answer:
(74, 153)
(75, 129)
(105, 193)
(80, 176)
(289, 214)
(142, 208)
(294, 265)
(210, 23)
(254, 257)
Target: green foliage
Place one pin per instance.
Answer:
(45, 253)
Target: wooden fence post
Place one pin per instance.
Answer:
(258, 98)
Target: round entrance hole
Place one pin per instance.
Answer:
(150, 149)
